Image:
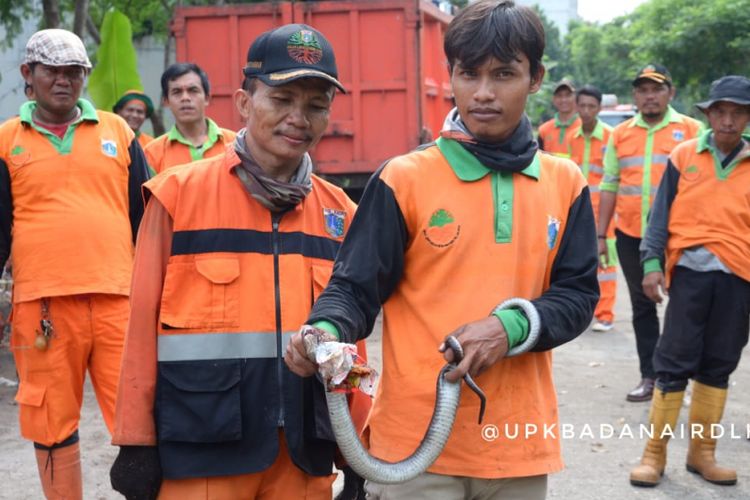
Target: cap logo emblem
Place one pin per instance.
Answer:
(304, 47)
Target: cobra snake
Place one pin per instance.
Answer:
(443, 416)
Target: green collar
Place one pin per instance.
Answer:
(560, 124)
(704, 141)
(468, 168)
(671, 116)
(213, 132)
(88, 112)
(598, 132)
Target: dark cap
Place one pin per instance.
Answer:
(289, 53)
(654, 72)
(731, 88)
(564, 83)
(132, 95)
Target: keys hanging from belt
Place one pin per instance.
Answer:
(44, 335)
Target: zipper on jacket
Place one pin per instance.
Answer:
(275, 218)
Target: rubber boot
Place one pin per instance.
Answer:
(665, 409)
(707, 408)
(60, 472)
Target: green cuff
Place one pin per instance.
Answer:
(328, 327)
(652, 265)
(609, 187)
(516, 325)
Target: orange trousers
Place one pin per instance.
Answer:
(282, 481)
(89, 332)
(607, 293)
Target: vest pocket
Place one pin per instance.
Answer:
(204, 293)
(321, 275)
(199, 401)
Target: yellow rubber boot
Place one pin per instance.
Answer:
(665, 409)
(60, 472)
(707, 408)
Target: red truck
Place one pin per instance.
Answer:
(390, 59)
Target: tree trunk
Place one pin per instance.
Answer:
(79, 17)
(51, 9)
(93, 31)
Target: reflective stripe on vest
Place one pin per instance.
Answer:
(607, 276)
(205, 346)
(634, 190)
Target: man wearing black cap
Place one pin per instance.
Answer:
(555, 134)
(233, 252)
(635, 160)
(708, 275)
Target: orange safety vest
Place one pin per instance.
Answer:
(238, 284)
(556, 139)
(642, 156)
(71, 223)
(588, 154)
(144, 139)
(711, 207)
(520, 390)
(162, 152)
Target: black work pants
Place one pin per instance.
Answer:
(645, 320)
(705, 328)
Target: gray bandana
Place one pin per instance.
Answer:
(273, 194)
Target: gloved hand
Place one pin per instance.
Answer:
(354, 486)
(136, 472)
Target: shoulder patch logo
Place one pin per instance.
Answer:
(304, 47)
(109, 147)
(553, 229)
(678, 135)
(334, 221)
(442, 229)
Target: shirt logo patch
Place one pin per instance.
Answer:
(442, 229)
(334, 222)
(553, 229)
(691, 173)
(678, 135)
(19, 156)
(109, 148)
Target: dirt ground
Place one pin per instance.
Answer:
(593, 373)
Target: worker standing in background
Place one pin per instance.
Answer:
(703, 257)
(587, 145)
(135, 107)
(185, 90)
(70, 206)
(554, 135)
(635, 160)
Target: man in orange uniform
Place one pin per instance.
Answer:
(441, 237)
(636, 156)
(185, 91)
(708, 274)
(555, 134)
(587, 145)
(135, 107)
(232, 253)
(70, 205)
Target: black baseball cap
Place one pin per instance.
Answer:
(654, 72)
(732, 88)
(289, 53)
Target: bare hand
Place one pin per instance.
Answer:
(484, 343)
(296, 359)
(652, 282)
(603, 253)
